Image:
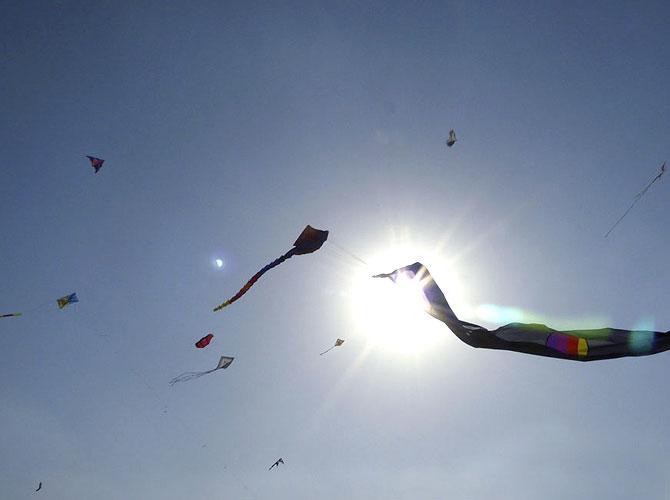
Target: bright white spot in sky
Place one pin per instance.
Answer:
(219, 263)
(392, 316)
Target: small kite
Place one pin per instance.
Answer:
(276, 464)
(96, 163)
(636, 198)
(452, 138)
(10, 315)
(67, 299)
(38, 488)
(538, 339)
(310, 240)
(204, 342)
(338, 343)
(224, 363)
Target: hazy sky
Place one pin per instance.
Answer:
(226, 128)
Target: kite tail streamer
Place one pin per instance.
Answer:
(255, 278)
(185, 377)
(324, 352)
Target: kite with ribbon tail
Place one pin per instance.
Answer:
(224, 363)
(538, 339)
(309, 241)
(338, 343)
(62, 302)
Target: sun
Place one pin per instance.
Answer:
(392, 316)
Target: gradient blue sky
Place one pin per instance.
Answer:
(226, 128)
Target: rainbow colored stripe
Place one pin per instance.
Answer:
(567, 344)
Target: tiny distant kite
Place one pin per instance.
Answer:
(636, 198)
(10, 315)
(276, 464)
(67, 299)
(38, 488)
(96, 163)
(224, 363)
(310, 240)
(338, 343)
(537, 339)
(452, 138)
(204, 342)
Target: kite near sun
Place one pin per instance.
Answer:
(538, 339)
(309, 241)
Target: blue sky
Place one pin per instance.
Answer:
(226, 128)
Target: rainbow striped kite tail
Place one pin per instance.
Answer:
(221, 306)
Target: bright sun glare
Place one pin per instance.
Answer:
(393, 316)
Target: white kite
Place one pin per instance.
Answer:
(224, 363)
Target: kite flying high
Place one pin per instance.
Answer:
(204, 342)
(10, 315)
(96, 163)
(224, 363)
(67, 299)
(538, 339)
(338, 343)
(309, 241)
(276, 464)
(452, 138)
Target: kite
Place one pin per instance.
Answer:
(538, 339)
(452, 138)
(636, 198)
(38, 488)
(309, 241)
(67, 299)
(96, 163)
(224, 363)
(204, 342)
(338, 343)
(276, 464)
(9, 315)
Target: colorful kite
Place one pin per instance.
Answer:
(452, 138)
(579, 345)
(204, 342)
(224, 363)
(276, 464)
(338, 343)
(10, 315)
(67, 299)
(310, 240)
(96, 163)
(636, 198)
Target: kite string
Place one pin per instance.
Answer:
(348, 252)
(637, 198)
